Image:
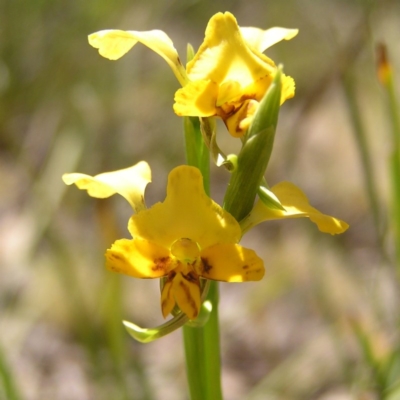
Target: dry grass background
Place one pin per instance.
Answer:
(63, 108)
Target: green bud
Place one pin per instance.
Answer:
(254, 156)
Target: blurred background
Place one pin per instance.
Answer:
(322, 324)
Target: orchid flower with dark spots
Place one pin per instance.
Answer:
(228, 75)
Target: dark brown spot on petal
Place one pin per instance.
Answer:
(191, 277)
(248, 96)
(226, 110)
(114, 256)
(171, 275)
(245, 267)
(205, 266)
(161, 264)
(253, 272)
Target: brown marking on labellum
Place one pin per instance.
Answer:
(114, 256)
(239, 129)
(191, 277)
(171, 276)
(167, 297)
(253, 271)
(189, 298)
(245, 267)
(161, 264)
(184, 95)
(226, 110)
(248, 96)
(206, 266)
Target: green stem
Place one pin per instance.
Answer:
(197, 154)
(202, 343)
(202, 350)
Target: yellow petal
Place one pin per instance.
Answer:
(187, 212)
(257, 90)
(230, 263)
(129, 183)
(138, 258)
(167, 297)
(296, 205)
(113, 44)
(239, 122)
(186, 290)
(196, 99)
(225, 56)
(228, 92)
(288, 87)
(260, 40)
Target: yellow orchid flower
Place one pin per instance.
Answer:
(296, 205)
(185, 238)
(228, 75)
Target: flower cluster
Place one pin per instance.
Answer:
(188, 239)
(227, 77)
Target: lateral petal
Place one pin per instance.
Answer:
(260, 40)
(296, 205)
(113, 44)
(196, 99)
(138, 258)
(230, 263)
(288, 88)
(130, 183)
